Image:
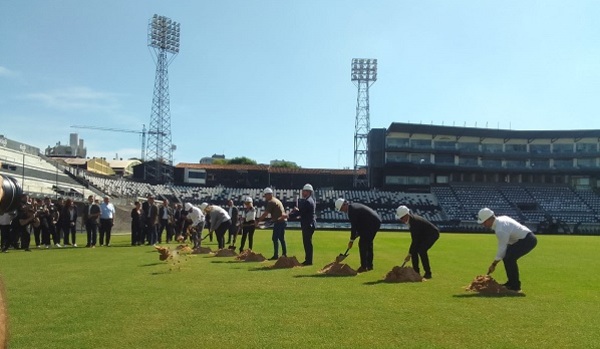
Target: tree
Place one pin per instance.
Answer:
(284, 164)
(241, 161)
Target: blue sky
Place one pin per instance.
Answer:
(271, 79)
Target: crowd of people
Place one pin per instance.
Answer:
(52, 223)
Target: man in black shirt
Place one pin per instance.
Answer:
(364, 222)
(423, 235)
(306, 212)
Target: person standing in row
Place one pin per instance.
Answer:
(308, 221)
(196, 215)
(219, 222)
(423, 235)
(68, 222)
(514, 241)
(166, 222)
(107, 215)
(178, 220)
(91, 212)
(249, 216)
(25, 216)
(233, 213)
(5, 230)
(275, 208)
(150, 220)
(48, 218)
(137, 224)
(364, 223)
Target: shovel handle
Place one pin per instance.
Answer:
(346, 253)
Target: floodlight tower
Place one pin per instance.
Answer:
(163, 41)
(364, 74)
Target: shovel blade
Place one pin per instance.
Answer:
(340, 258)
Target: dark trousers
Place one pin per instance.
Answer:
(69, 229)
(307, 233)
(164, 225)
(105, 229)
(247, 232)
(365, 246)
(279, 237)
(54, 234)
(220, 232)
(197, 234)
(46, 232)
(91, 229)
(232, 231)
(136, 234)
(25, 237)
(151, 237)
(513, 253)
(422, 248)
(5, 237)
(37, 233)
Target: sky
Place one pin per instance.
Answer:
(270, 79)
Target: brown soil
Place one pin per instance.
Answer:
(286, 262)
(164, 252)
(486, 284)
(402, 274)
(225, 252)
(250, 256)
(201, 250)
(184, 249)
(338, 269)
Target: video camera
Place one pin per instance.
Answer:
(10, 193)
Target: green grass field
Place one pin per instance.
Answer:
(124, 297)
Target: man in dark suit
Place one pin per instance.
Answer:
(165, 214)
(364, 223)
(233, 213)
(150, 220)
(306, 211)
(91, 213)
(423, 235)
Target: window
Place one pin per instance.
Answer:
(562, 148)
(539, 163)
(468, 146)
(516, 163)
(567, 163)
(539, 148)
(445, 145)
(468, 161)
(491, 148)
(418, 158)
(515, 148)
(586, 147)
(396, 157)
(420, 143)
(396, 142)
(444, 159)
(586, 163)
(491, 162)
(404, 180)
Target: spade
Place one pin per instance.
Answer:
(343, 256)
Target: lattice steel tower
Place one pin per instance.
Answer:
(364, 74)
(163, 41)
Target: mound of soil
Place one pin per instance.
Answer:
(338, 269)
(225, 252)
(184, 249)
(286, 262)
(164, 253)
(402, 274)
(486, 284)
(250, 256)
(201, 250)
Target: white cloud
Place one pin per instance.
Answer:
(76, 98)
(6, 72)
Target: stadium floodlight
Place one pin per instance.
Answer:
(163, 34)
(363, 75)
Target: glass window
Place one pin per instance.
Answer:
(516, 163)
(396, 142)
(491, 162)
(539, 163)
(468, 161)
(491, 148)
(469, 146)
(444, 159)
(417, 158)
(445, 145)
(560, 163)
(515, 148)
(586, 163)
(586, 147)
(420, 143)
(403, 180)
(539, 148)
(562, 148)
(396, 157)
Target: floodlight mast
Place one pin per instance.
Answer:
(364, 74)
(163, 41)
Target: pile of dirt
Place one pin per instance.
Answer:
(184, 249)
(201, 250)
(402, 274)
(225, 252)
(338, 269)
(286, 262)
(164, 253)
(486, 284)
(250, 256)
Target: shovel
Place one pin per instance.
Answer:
(403, 264)
(341, 257)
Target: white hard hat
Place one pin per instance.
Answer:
(484, 214)
(203, 206)
(307, 187)
(402, 211)
(248, 199)
(267, 191)
(339, 203)
(188, 206)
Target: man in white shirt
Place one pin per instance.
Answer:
(514, 241)
(197, 217)
(107, 215)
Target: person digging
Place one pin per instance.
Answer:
(423, 235)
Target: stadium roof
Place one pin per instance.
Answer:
(490, 133)
(267, 168)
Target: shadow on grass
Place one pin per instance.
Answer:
(377, 282)
(488, 295)
(151, 264)
(269, 267)
(227, 262)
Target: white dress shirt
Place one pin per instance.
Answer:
(508, 231)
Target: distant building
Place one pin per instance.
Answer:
(75, 149)
(210, 160)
